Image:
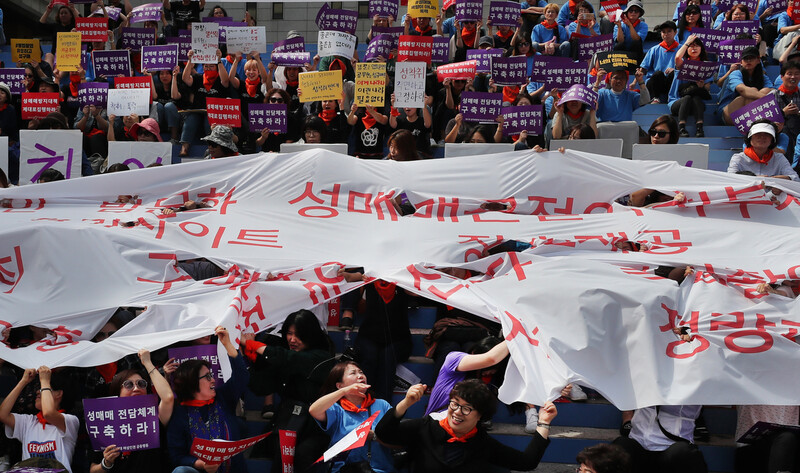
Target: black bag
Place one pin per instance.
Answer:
(691, 89)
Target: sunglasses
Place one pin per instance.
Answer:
(208, 376)
(276, 100)
(659, 133)
(140, 383)
(28, 75)
(524, 43)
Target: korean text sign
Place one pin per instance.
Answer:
(199, 352)
(131, 423)
(271, 116)
(321, 86)
(409, 85)
(68, 51)
(25, 50)
(61, 150)
(226, 112)
(370, 84)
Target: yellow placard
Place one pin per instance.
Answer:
(25, 50)
(370, 84)
(321, 86)
(423, 8)
(68, 51)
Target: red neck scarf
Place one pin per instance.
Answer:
(327, 116)
(350, 407)
(751, 153)
(368, 120)
(576, 116)
(453, 438)
(3, 107)
(385, 289)
(30, 84)
(634, 25)
(510, 93)
(786, 90)
(41, 419)
(422, 32)
(74, 80)
(197, 403)
(669, 48)
(292, 83)
(252, 86)
(107, 371)
(229, 57)
(505, 35)
(469, 37)
(209, 77)
(572, 7)
(550, 26)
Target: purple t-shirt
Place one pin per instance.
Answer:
(448, 377)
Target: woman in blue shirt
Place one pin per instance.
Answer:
(686, 97)
(745, 85)
(548, 37)
(690, 19)
(630, 31)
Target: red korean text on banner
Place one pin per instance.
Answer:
(415, 48)
(356, 438)
(447, 4)
(92, 29)
(288, 440)
(133, 83)
(459, 70)
(226, 112)
(215, 452)
(39, 105)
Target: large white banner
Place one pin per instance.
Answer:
(139, 154)
(574, 306)
(61, 150)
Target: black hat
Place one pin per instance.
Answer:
(750, 51)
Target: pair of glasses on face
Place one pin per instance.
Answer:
(208, 376)
(129, 385)
(659, 133)
(275, 100)
(466, 410)
(524, 43)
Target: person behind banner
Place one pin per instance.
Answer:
(337, 129)
(9, 126)
(603, 458)
(402, 146)
(744, 85)
(130, 383)
(206, 411)
(221, 143)
(548, 37)
(616, 103)
(313, 131)
(687, 97)
(347, 401)
(410, 120)
(690, 19)
(778, 451)
(759, 157)
(659, 63)
(459, 442)
(50, 435)
(663, 130)
(271, 141)
(630, 31)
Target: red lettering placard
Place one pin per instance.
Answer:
(226, 112)
(217, 451)
(459, 70)
(92, 29)
(133, 83)
(415, 48)
(39, 105)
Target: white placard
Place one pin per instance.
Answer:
(205, 42)
(123, 102)
(40, 150)
(336, 43)
(139, 155)
(4, 156)
(409, 85)
(246, 39)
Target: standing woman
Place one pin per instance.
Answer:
(686, 97)
(65, 22)
(205, 411)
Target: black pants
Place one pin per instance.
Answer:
(779, 452)
(689, 105)
(680, 457)
(658, 85)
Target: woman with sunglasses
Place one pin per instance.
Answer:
(664, 130)
(691, 18)
(269, 140)
(206, 411)
(458, 442)
(130, 383)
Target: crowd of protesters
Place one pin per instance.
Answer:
(323, 398)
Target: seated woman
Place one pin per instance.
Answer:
(778, 452)
(759, 157)
(457, 443)
(205, 411)
(568, 114)
(347, 403)
(402, 146)
(548, 37)
(686, 97)
(744, 85)
(131, 383)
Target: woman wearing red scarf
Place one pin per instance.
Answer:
(251, 90)
(213, 83)
(759, 156)
(457, 442)
(548, 37)
(368, 131)
(468, 32)
(347, 403)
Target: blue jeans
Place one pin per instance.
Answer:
(168, 115)
(191, 124)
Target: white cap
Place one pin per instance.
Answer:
(762, 128)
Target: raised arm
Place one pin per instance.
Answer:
(6, 417)
(319, 409)
(162, 387)
(484, 360)
(49, 405)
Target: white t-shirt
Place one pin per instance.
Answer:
(47, 442)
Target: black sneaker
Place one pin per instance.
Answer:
(625, 428)
(683, 133)
(346, 323)
(699, 133)
(701, 434)
(268, 412)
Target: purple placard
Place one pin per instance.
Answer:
(93, 93)
(198, 352)
(705, 13)
(725, 5)
(735, 28)
(383, 8)
(113, 12)
(394, 31)
(523, 118)
(380, 45)
(510, 71)
(146, 12)
(710, 38)
(160, 58)
(481, 107)
(13, 78)
(111, 63)
(469, 10)
(85, 56)
(184, 42)
(697, 70)
(291, 59)
(131, 423)
(777, 5)
(588, 47)
(267, 115)
(730, 51)
(581, 93)
(294, 45)
(135, 38)
(504, 13)
(214, 19)
(765, 107)
(441, 49)
(484, 58)
(330, 19)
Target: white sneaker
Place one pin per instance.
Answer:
(531, 419)
(577, 394)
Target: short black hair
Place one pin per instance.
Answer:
(605, 458)
(478, 395)
(789, 65)
(187, 379)
(667, 25)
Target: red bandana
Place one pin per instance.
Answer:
(577, 116)
(368, 120)
(252, 86)
(787, 91)
(671, 48)
(469, 37)
(634, 25)
(209, 77)
(505, 35)
(107, 371)
(41, 419)
(3, 107)
(550, 26)
(386, 290)
(453, 438)
(350, 407)
(327, 116)
(510, 93)
(751, 153)
(292, 83)
(422, 32)
(197, 403)
(573, 4)
(74, 80)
